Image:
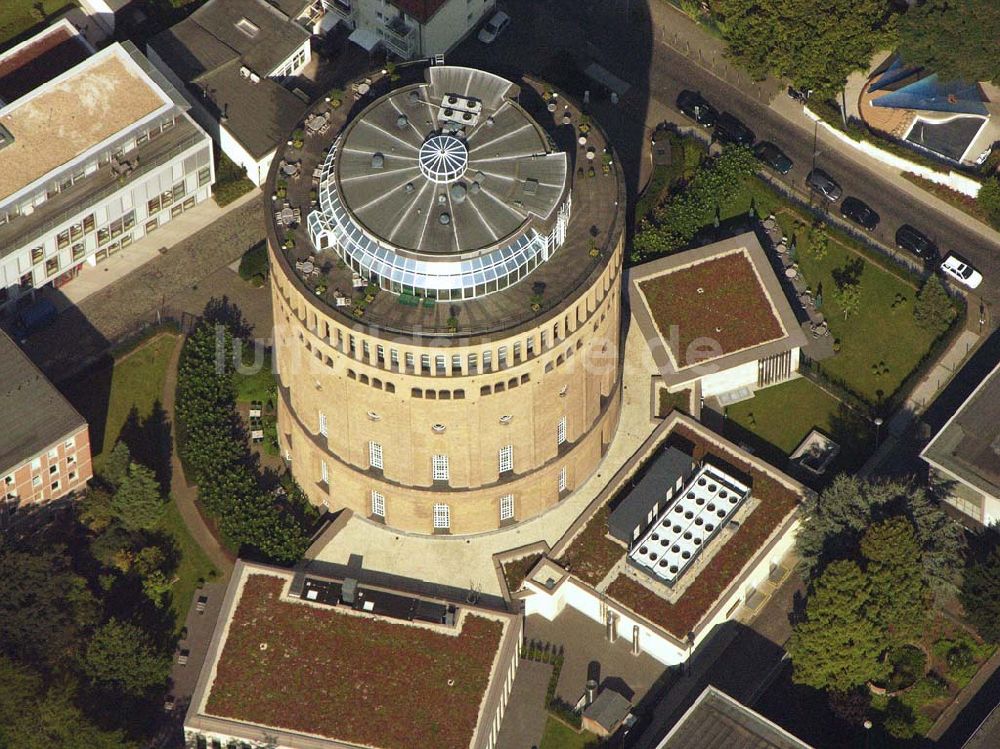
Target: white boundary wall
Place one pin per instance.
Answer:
(954, 180)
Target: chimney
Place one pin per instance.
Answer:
(591, 691)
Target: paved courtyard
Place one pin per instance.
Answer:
(180, 279)
(466, 561)
(524, 721)
(588, 654)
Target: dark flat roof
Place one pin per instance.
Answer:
(661, 472)
(717, 721)
(422, 10)
(35, 414)
(968, 446)
(950, 139)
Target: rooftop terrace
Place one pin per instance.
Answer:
(71, 116)
(596, 223)
(325, 672)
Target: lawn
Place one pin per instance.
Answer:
(18, 16)
(782, 415)
(559, 736)
(192, 568)
(258, 383)
(122, 399)
(881, 343)
(107, 396)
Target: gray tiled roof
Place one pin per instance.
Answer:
(35, 414)
(206, 51)
(608, 709)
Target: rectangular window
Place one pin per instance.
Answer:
(78, 252)
(204, 175)
(506, 458)
(506, 507)
(51, 266)
(75, 232)
(324, 472)
(473, 364)
(88, 223)
(37, 254)
(442, 517)
(439, 364)
(439, 465)
(409, 362)
(54, 453)
(502, 357)
(62, 241)
(562, 479)
(378, 504)
(517, 352)
(103, 235)
(36, 480)
(55, 486)
(375, 454)
(530, 346)
(487, 361)
(456, 364)
(53, 469)
(322, 423)
(153, 206)
(128, 220)
(425, 363)
(561, 431)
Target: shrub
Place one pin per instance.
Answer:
(254, 262)
(231, 181)
(933, 309)
(989, 201)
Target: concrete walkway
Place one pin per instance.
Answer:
(185, 494)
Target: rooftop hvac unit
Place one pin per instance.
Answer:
(460, 110)
(245, 71)
(254, 78)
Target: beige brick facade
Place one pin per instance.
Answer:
(345, 386)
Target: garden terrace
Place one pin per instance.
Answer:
(316, 675)
(594, 228)
(592, 556)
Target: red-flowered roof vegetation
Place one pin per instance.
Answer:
(352, 678)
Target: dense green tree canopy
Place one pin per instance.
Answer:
(834, 521)
(838, 645)
(933, 309)
(816, 45)
(137, 502)
(122, 659)
(43, 606)
(957, 39)
(980, 593)
(895, 578)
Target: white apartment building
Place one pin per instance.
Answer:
(91, 160)
(409, 28)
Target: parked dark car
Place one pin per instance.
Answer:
(859, 212)
(729, 129)
(697, 108)
(824, 184)
(913, 240)
(773, 156)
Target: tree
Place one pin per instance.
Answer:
(116, 466)
(138, 503)
(957, 39)
(933, 309)
(43, 607)
(121, 657)
(818, 50)
(895, 577)
(834, 521)
(32, 717)
(848, 298)
(837, 646)
(989, 200)
(980, 591)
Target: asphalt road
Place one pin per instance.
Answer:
(626, 46)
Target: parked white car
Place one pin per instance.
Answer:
(960, 270)
(494, 27)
